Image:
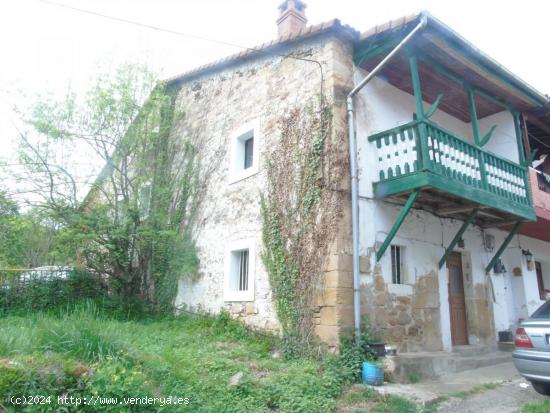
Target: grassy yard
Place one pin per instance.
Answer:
(84, 353)
(216, 363)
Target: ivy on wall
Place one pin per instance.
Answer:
(300, 212)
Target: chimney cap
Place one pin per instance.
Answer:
(295, 4)
(292, 19)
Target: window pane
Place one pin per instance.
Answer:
(248, 152)
(396, 264)
(243, 271)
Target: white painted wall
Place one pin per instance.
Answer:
(503, 141)
(541, 252)
(380, 106)
(545, 267)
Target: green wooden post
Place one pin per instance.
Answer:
(415, 77)
(457, 237)
(519, 138)
(503, 246)
(397, 224)
(422, 130)
(473, 115)
(475, 130)
(524, 163)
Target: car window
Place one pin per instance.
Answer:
(543, 311)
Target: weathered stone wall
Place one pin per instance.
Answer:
(415, 315)
(408, 321)
(217, 104)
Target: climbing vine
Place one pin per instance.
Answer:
(300, 212)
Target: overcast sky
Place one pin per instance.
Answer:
(46, 48)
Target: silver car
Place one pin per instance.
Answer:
(532, 349)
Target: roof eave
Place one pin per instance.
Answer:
(488, 61)
(268, 48)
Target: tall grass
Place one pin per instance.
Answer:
(79, 332)
(89, 349)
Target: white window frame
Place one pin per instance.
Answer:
(231, 270)
(236, 159)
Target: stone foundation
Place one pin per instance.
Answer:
(411, 322)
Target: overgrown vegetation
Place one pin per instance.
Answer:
(300, 212)
(23, 292)
(365, 399)
(27, 239)
(480, 388)
(135, 225)
(85, 351)
(542, 407)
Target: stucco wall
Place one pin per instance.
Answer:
(410, 316)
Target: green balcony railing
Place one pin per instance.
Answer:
(424, 147)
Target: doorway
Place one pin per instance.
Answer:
(457, 302)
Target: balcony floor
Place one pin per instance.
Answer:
(448, 198)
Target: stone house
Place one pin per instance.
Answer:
(444, 240)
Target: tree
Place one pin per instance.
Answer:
(11, 245)
(26, 239)
(135, 222)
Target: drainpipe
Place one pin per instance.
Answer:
(353, 170)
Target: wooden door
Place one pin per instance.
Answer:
(457, 304)
(540, 281)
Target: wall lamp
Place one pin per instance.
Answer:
(529, 258)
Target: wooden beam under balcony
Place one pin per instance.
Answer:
(393, 231)
(454, 210)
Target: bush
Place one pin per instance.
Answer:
(38, 294)
(353, 353)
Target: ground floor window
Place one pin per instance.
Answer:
(396, 264)
(239, 271)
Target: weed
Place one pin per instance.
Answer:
(86, 350)
(474, 390)
(414, 377)
(542, 407)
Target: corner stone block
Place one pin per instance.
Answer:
(329, 316)
(327, 334)
(340, 295)
(342, 262)
(335, 279)
(345, 315)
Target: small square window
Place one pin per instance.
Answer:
(244, 152)
(396, 264)
(239, 273)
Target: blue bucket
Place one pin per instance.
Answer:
(372, 374)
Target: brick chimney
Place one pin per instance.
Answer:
(292, 18)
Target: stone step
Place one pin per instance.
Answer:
(470, 350)
(470, 363)
(435, 364)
